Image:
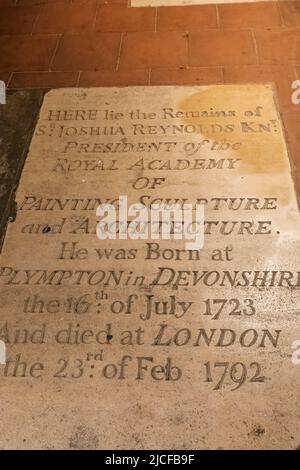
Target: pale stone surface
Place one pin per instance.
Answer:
(239, 151)
(168, 3)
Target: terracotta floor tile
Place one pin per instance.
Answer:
(290, 12)
(278, 46)
(112, 2)
(186, 76)
(62, 18)
(18, 19)
(28, 53)
(42, 2)
(122, 77)
(87, 52)
(249, 15)
(282, 75)
(5, 3)
(43, 79)
(154, 50)
(227, 47)
(121, 18)
(292, 126)
(186, 18)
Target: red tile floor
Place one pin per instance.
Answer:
(59, 43)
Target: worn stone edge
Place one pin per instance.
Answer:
(10, 211)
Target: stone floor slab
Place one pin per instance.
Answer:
(123, 344)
